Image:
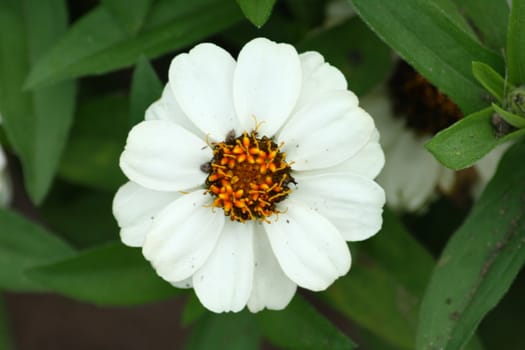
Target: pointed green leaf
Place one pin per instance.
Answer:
(24, 245)
(96, 44)
(128, 14)
(511, 118)
(353, 48)
(516, 44)
(433, 43)
(232, 331)
(97, 140)
(257, 11)
(503, 325)
(305, 328)
(490, 19)
(82, 216)
(108, 275)
(490, 79)
(465, 142)
(479, 263)
(145, 89)
(5, 334)
(37, 123)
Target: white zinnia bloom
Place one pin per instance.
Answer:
(412, 177)
(228, 123)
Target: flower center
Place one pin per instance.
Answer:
(425, 108)
(248, 175)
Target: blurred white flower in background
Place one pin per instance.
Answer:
(408, 111)
(5, 184)
(338, 11)
(247, 178)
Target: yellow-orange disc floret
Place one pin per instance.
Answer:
(248, 175)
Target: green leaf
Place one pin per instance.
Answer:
(490, 79)
(145, 89)
(81, 216)
(257, 11)
(301, 326)
(450, 9)
(516, 44)
(465, 142)
(381, 293)
(97, 140)
(490, 19)
(355, 50)
(128, 14)
(503, 325)
(5, 334)
(108, 275)
(479, 262)
(24, 245)
(96, 44)
(435, 45)
(233, 331)
(511, 118)
(37, 123)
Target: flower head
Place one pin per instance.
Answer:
(408, 111)
(248, 176)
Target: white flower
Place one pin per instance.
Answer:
(338, 11)
(412, 177)
(5, 184)
(247, 177)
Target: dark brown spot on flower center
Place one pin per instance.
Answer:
(425, 108)
(248, 175)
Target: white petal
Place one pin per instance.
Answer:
(3, 160)
(446, 180)
(378, 105)
(224, 282)
(202, 83)
(5, 183)
(135, 208)
(318, 77)
(486, 167)
(326, 132)
(183, 236)
(167, 108)
(353, 203)
(184, 284)
(310, 249)
(163, 156)
(266, 84)
(368, 162)
(5, 189)
(337, 12)
(410, 174)
(272, 289)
